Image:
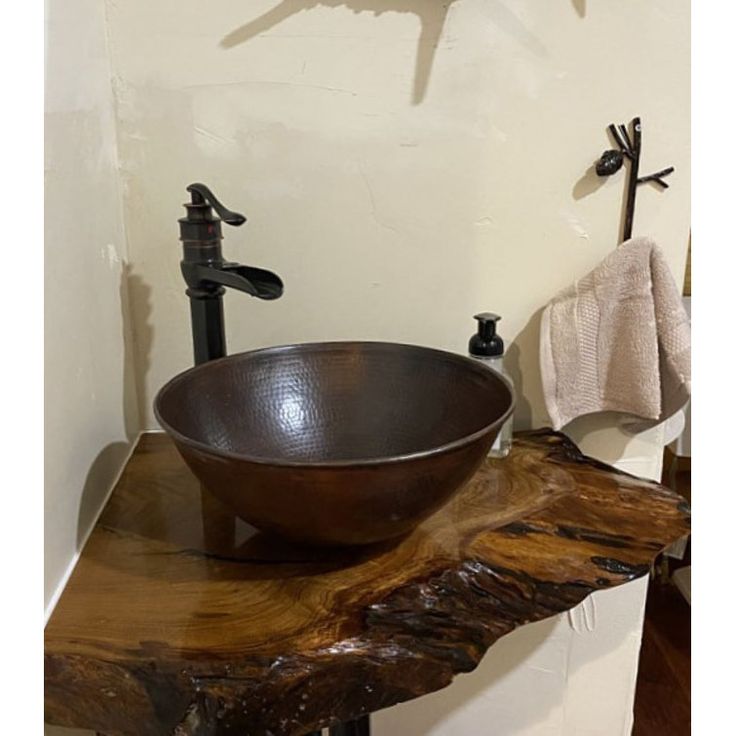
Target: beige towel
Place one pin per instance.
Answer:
(618, 340)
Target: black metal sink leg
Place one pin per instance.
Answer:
(359, 727)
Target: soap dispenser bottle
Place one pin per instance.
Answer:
(487, 346)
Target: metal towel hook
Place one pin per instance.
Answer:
(629, 146)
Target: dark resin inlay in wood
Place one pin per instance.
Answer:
(180, 619)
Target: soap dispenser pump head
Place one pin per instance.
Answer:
(486, 343)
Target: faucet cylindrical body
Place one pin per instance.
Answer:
(201, 237)
(208, 326)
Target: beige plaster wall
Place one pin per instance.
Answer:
(403, 163)
(91, 410)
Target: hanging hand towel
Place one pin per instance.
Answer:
(618, 340)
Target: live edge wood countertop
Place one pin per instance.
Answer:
(180, 619)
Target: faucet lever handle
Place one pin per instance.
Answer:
(202, 194)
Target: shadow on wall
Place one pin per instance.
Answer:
(111, 458)
(431, 15)
(588, 183)
(522, 364)
(138, 331)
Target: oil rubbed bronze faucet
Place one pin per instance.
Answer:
(207, 273)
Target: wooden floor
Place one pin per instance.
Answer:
(662, 706)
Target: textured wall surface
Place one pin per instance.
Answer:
(403, 163)
(91, 409)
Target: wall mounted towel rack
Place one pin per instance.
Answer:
(629, 147)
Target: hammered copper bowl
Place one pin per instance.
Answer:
(335, 443)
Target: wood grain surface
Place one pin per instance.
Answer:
(181, 619)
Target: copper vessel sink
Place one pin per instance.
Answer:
(335, 443)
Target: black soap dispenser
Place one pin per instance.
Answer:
(487, 346)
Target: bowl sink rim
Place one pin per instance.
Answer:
(357, 462)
